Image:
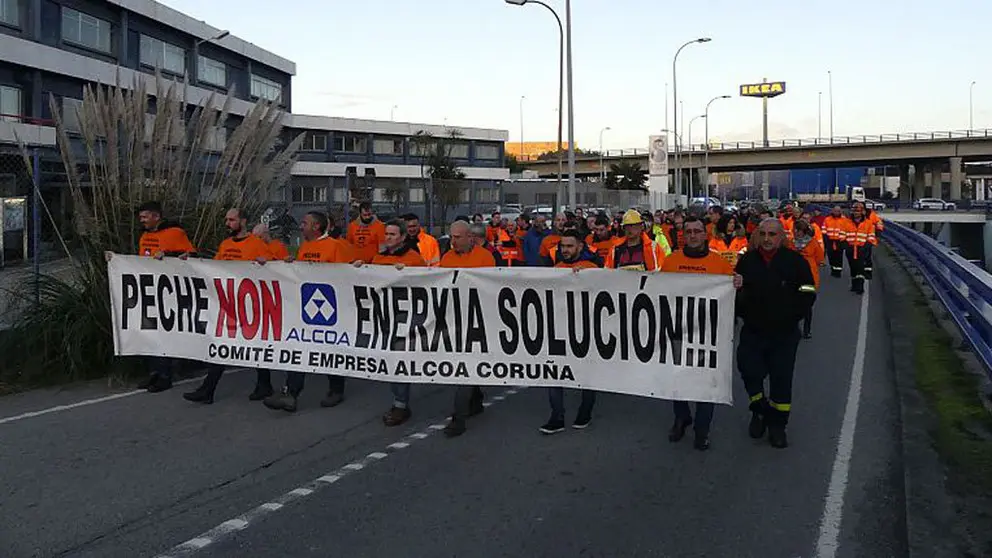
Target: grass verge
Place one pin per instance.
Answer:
(963, 434)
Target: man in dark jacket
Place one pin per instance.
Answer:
(777, 291)
(532, 241)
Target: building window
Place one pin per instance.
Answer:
(10, 103)
(216, 139)
(387, 146)
(487, 195)
(420, 148)
(71, 109)
(85, 30)
(163, 55)
(211, 71)
(267, 89)
(176, 131)
(486, 152)
(315, 142)
(416, 195)
(350, 144)
(310, 194)
(458, 150)
(10, 12)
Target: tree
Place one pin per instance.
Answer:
(513, 164)
(393, 193)
(553, 154)
(627, 175)
(443, 180)
(177, 157)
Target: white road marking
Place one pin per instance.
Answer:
(88, 402)
(242, 522)
(833, 508)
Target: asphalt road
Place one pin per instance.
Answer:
(149, 475)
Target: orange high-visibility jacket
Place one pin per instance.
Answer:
(859, 233)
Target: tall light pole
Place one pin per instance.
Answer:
(392, 112)
(602, 169)
(522, 97)
(706, 164)
(971, 106)
(561, 78)
(675, 103)
(830, 100)
(691, 170)
(571, 106)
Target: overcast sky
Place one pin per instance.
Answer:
(898, 66)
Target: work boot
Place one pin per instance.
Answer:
(702, 441)
(756, 428)
(454, 428)
(835, 273)
(147, 382)
(396, 416)
(677, 432)
(553, 426)
(582, 420)
(160, 384)
(261, 392)
(333, 399)
(284, 401)
(199, 395)
(777, 437)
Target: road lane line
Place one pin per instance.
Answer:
(230, 527)
(833, 508)
(88, 402)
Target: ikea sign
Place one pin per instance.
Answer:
(773, 89)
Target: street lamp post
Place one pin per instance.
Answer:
(691, 170)
(971, 106)
(675, 103)
(602, 169)
(571, 107)
(392, 112)
(706, 154)
(561, 79)
(196, 50)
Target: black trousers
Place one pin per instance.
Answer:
(160, 366)
(858, 262)
(770, 355)
(835, 256)
(215, 371)
(808, 322)
(296, 380)
(467, 399)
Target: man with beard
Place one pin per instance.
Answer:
(240, 245)
(317, 247)
(602, 241)
(365, 233)
(159, 239)
(427, 245)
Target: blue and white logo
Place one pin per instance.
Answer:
(320, 304)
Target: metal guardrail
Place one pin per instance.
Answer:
(789, 143)
(962, 287)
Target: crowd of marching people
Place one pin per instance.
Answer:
(773, 257)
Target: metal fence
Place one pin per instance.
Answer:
(961, 286)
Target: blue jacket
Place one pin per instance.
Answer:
(532, 246)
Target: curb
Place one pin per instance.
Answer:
(929, 510)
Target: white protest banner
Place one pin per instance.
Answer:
(657, 335)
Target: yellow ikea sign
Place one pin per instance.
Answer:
(773, 89)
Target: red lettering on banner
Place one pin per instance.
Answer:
(226, 312)
(249, 321)
(265, 299)
(272, 311)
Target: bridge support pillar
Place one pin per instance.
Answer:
(956, 177)
(919, 182)
(935, 180)
(905, 188)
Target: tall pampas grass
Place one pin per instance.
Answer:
(125, 157)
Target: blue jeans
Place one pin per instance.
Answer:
(401, 395)
(704, 415)
(556, 396)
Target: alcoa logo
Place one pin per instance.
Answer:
(319, 303)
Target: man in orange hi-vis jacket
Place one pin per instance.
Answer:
(159, 239)
(366, 233)
(835, 227)
(241, 245)
(695, 257)
(427, 244)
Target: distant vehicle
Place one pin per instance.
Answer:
(512, 208)
(874, 205)
(856, 193)
(705, 202)
(535, 210)
(933, 204)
